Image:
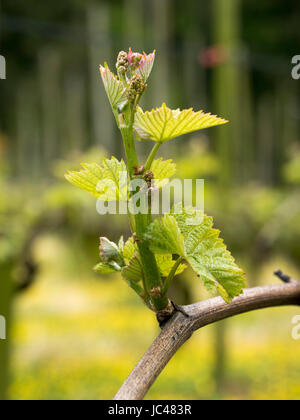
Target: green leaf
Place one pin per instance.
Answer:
(87, 179)
(109, 252)
(129, 250)
(146, 65)
(107, 181)
(191, 235)
(164, 236)
(115, 89)
(163, 170)
(165, 264)
(121, 245)
(133, 275)
(187, 218)
(164, 261)
(291, 170)
(133, 272)
(208, 255)
(107, 268)
(163, 124)
(114, 182)
(111, 257)
(218, 275)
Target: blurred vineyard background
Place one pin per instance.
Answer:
(75, 335)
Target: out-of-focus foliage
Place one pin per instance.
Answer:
(291, 170)
(19, 210)
(197, 161)
(26, 211)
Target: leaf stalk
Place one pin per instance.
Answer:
(171, 275)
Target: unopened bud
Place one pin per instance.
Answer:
(136, 87)
(109, 251)
(138, 170)
(134, 59)
(148, 176)
(122, 62)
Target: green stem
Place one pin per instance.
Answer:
(171, 275)
(132, 221)
(152, 156)
(153, 280)
(130, 150)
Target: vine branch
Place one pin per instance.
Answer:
(187, 319)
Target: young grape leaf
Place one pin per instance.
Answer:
(121, 245)
(131, 274)
(87, 179)
(163, 124)
(109, 251)
(164, 261)
(165, 237)
(129, 249)
(107, 181)
(107, 268)
(133, 271)
(114, 88)
(111, 257)
(162, 170)
(199, 243)
(146, 65)
(165, 264)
